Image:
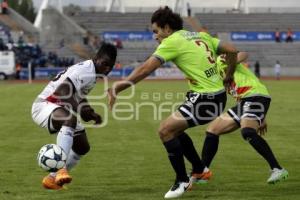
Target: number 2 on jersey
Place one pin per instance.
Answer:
(59, 75)
(210, 56)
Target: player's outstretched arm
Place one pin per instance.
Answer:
(140, 73)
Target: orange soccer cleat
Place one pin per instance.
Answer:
(49, 183)
(62, 177)
(201, 178)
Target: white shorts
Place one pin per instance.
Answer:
(41, 113)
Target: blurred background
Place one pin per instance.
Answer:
(38, 38)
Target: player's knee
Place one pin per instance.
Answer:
(213, 130)
(164, 132)
(63, 117)
(248, 133)
(211, 134)
(71, 121)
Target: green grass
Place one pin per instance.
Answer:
(127, 160)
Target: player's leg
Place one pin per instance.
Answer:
(200, 173)
(250, 122)
(249, 129)
(169, 131)
(41, 112)
(221, 125)
(63, 120)
(80, 148)
(199, 109)
(190, 153)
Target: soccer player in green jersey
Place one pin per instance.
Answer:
(249, 114)
(195, 55)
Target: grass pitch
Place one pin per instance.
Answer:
(127, 160)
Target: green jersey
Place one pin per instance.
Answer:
(195, 55)
(245, 84)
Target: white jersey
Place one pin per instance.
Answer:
(82, 75)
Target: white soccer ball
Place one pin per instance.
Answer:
(51, 157)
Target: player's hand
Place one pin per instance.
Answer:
(227, 82)
(87, 114)
(263, 128)
(111, 97)
(97, 118)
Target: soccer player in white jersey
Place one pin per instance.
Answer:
(56, 109)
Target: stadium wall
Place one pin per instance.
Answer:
(24, 24)
(199, 9)
(56, 27)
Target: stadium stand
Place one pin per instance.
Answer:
(5, 33)
(17, 23)
(97, 22)
(227, 22)
(268, 52)
(77, 35)
(265, 52)
(7, 21)
(135, 54)
(58, 33)
(23, 42)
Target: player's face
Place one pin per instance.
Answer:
(160, 33)
(103, 65)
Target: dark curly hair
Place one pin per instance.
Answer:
(164, 16)
(109, 50)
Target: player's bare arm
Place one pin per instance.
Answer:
(137, 75)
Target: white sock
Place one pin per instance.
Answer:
(53, 174)
(72, 160)
(64, 138)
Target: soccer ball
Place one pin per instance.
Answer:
(51, 157)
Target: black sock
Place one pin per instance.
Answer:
(175, 154)
(210, 148)
(261, 146)
(190, 153)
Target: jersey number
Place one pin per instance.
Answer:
(59, 75)
(210, 56)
